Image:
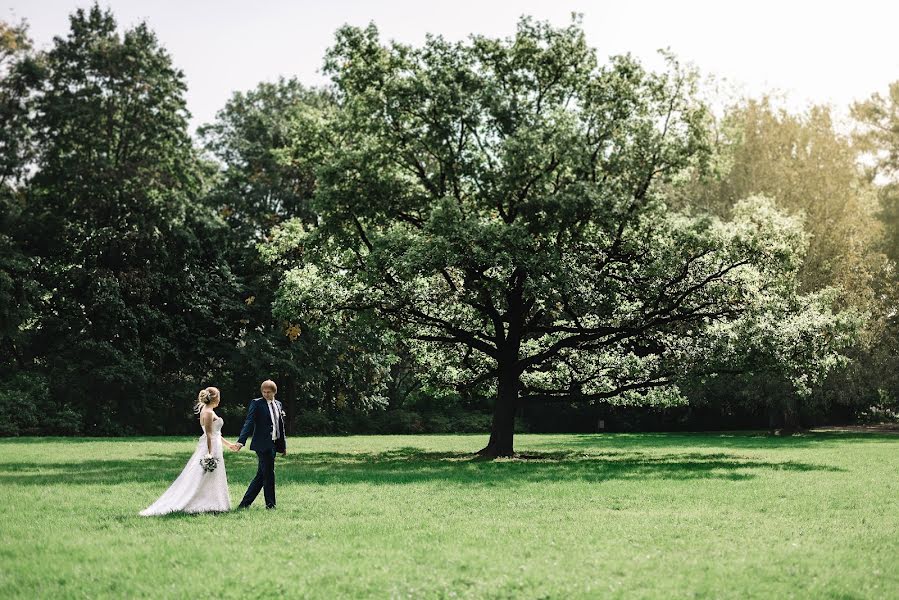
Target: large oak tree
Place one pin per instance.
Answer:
(499, 203)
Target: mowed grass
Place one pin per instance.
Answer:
(584, 516)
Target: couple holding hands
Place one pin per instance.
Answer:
(203, 485)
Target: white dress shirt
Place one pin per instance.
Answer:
(273, 412)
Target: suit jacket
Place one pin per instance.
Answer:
(259, 425)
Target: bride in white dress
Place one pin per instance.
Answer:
(196, 490)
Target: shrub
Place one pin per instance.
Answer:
(438, 423)
(27, 409)
(309, 422)
(471, 423)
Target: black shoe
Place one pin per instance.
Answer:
(272, 507)
(242, 507)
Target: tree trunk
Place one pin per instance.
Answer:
(509, 346)
(774, 417)
(792, 422)
(503, 427)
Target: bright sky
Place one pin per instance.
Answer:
(812, 51)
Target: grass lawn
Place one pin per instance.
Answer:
(587, 516)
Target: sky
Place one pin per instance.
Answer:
(810, 52)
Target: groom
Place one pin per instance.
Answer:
(265, 423)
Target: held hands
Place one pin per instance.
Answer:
(236, 447)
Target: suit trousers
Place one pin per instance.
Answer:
(264, 480)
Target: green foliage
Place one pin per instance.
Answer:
(496, 218)
(795, 351)
(785, 334)
(393, 421)
(500, 204)
(877, 137)
(879, 133)
(18, 69)
(21, 400)
(810, 170)
(18, 290)
(269, 143)
(136, 288)
(27, 407)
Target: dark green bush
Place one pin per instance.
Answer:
(27, 409)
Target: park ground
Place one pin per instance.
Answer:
(714, 515)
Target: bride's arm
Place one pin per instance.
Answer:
(228, 444)
(206, 420)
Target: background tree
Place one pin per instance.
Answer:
(779, 351)
(500, 204)
(269, 142)
(877, 137)
(135, 314)
(16, 72)
(455, 222)
(811, 171)
(19, 293)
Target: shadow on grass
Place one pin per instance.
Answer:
(744, 440)
(413, 465)
(705, 439)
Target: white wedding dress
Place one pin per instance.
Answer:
(195, 490)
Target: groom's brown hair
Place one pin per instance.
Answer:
(268, 383)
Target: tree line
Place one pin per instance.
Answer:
(484, 235)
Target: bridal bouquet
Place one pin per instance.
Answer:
(208, 463)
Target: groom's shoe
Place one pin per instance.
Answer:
(272, 507)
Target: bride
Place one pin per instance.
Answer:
(196, 489)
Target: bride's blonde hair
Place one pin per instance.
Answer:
(206, 396)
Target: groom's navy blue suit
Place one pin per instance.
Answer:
(259, 425)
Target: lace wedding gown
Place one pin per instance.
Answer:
(196, 490)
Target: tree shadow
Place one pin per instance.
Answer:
(706, 439)
(414, 465)
(741, 440)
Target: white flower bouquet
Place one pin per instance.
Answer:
(209, 463)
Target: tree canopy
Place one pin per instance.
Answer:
(510, 223)
(502, 203)
(133, 285)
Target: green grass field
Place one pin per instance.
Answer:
(604, 516)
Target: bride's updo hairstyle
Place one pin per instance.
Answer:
(206, 396)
